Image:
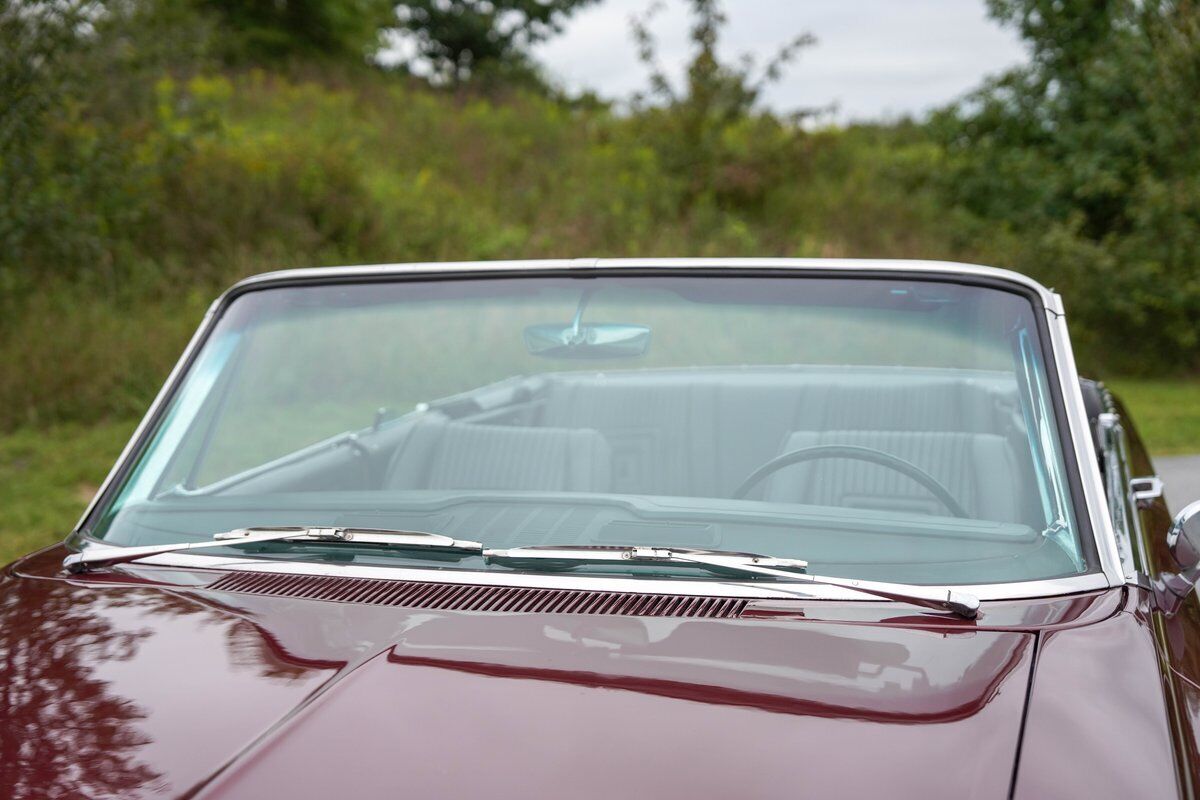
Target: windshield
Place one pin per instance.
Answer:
(899, 430)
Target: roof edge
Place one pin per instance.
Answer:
(1049, 297)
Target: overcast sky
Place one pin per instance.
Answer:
(873, 58)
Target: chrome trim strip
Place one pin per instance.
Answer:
(799, 264)
(1085, 451)
(681, 586)
(1148, 487)
(1060, 344)
(1125, 526)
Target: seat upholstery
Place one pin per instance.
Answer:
(679, 434)
(978, 469)
(438, 454)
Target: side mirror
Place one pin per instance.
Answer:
(1183, 540)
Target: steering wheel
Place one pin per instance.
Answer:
(855, 453)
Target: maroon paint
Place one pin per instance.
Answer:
(1097, 692)
(138, 682)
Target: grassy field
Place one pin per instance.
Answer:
(47, 476)
(1167, 413)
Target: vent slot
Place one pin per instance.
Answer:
(475, 597)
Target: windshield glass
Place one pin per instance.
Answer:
(898, 429)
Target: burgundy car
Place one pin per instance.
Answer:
(617, 529)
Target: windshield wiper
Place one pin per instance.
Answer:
(415, 540)
(943, 599)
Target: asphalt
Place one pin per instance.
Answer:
(1181, 479)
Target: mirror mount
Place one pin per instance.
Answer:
(1183, 541)
(594, 340)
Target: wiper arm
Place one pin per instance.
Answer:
(107, 556)
(942, 599)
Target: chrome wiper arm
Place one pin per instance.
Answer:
(575, 555)
(107, 556)
(942, 599)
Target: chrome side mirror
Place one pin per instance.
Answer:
(1183, 540)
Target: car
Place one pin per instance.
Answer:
(617, 528)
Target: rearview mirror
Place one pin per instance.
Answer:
(593, 340)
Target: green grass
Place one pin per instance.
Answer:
(48, 475)
(1166, 412)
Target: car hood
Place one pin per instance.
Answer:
(143, 683)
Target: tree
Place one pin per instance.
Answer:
(258, 30)
(1088, 153)
(697, 129)
(454, 37)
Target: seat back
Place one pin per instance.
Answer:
(978, 469)
(676, 433)
(438, 454)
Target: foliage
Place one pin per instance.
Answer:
(264, 30)
(126, 203)
(139, 174)
(445, 40)
(712, 130)
(1167, 412)
(455, 37)
(47, 477)
(1088, 156)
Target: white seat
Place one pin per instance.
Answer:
(978, 469)
(437, 454)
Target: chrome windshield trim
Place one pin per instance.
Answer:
(799, 264)
(1085, 450)
(682, 586)
(1060, 344)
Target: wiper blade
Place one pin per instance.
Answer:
(107, 556)
(940, 598)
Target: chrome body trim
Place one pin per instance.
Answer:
(1049, 298)
(1149, 487)
(605, 583)
(1084, 451)
(1126, 526)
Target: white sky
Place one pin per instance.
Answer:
(873, 58)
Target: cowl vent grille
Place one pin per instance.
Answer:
(474, 597)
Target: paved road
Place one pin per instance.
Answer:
(1181, 475)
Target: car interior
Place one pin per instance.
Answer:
(685, 433)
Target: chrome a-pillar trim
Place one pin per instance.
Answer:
(1057, 587)
(1085, 450)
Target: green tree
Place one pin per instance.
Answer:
(711, 129)
(263, 30)
(1088, 154)
(455, 37)
(450, 38)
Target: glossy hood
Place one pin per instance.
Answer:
(141, 682)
